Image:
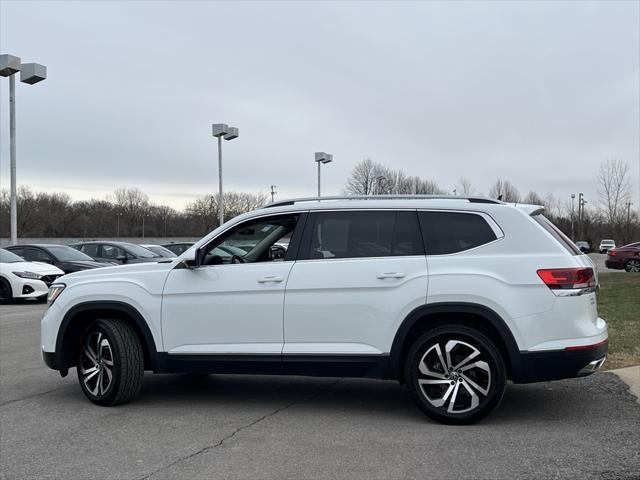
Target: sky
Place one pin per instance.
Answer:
(537, 93)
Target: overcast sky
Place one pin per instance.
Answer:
(538, 93)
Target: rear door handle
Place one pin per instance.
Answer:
(270, 279)
(382, 276)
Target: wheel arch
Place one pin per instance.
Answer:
(76, 318)
(428, 317)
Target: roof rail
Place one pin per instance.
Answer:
(293, 201)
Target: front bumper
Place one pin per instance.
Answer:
(559, 364)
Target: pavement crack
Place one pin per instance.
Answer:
(28, 397)
(221, 442)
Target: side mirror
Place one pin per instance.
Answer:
(122, 259)
(199, 257)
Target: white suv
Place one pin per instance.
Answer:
(450, 295)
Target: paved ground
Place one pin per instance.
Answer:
(598, 259)
(295, 427)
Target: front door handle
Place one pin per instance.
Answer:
(270, 279)
(382, 276)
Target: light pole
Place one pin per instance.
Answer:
(322, 157)
(573, 197)
(29, 73)
(580, 195)
(273, 193)
(222, 130)
(379, 180)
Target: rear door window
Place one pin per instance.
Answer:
(357, 234)
(453, 232)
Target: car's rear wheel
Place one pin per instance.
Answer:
(110, 362)
(632, 265)
(6, 295)
(455, 374)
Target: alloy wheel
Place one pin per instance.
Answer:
(453, 376)
(96, 363)
(633, 266)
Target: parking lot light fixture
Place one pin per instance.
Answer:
(322, 157)
(220, 131)
(30, 73)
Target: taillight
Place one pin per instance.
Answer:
(568, 278)
(612, 253)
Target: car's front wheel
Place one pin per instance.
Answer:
(455, 374)
(632, 265)
(110, 362)
(6, 295)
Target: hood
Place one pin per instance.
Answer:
(35, 267)
(119, 271)
(86, 263)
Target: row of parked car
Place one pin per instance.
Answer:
(26, 271)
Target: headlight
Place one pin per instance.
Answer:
(30, 275)
(54, 292)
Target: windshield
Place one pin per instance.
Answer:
(7, 257)
(68, 254)
(141, 252)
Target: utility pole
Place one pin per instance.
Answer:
(273, 192)
(573, 236)
(580, 205)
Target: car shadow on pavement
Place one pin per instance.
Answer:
(567, 400)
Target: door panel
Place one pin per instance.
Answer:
(233, 308)
(361, 274)
(341, 306)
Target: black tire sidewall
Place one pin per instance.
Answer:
(490, 354)
(104, 327)
(6, 285)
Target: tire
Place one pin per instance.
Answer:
(6, 294)
(455, 396)
(632, 265)
(112, 373)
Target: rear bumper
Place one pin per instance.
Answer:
(559, 364)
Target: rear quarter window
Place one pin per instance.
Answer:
(556, 233)
(453, 232)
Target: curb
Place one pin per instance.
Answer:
(630, 376)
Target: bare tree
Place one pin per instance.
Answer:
(371, 178)
(533, 198)
(505, 188)
(362, 180)
(464, 186)
(614, 191)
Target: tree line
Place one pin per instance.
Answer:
(128, 212)
(609, 216)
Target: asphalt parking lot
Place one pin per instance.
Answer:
(296, 427)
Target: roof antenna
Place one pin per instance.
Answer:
(500, 197)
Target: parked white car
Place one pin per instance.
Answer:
(451, 296)
(606, 245)
(20, 279)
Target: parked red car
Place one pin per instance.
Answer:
(627, 257)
